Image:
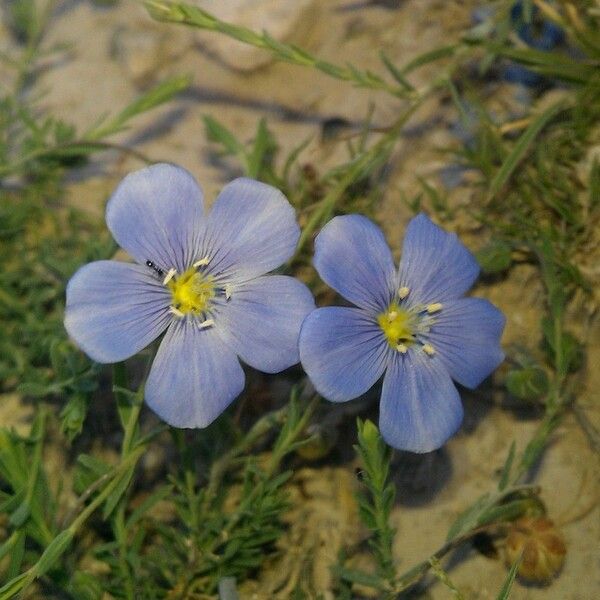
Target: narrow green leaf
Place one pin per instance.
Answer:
(468, 518)
(395, 72)
(509, 581)
(216, 132)
(264, 145)
(158, 95)
(356, 576)
(160, 494)
(428, 57)
(17, 553)
(495, 257)
(57, 547)
(13, 587)
(505, 475)
(117, 493)
(522, 146)
(529, 383)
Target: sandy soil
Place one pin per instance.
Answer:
(118, 51)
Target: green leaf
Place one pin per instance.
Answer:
(73, 415)
(395, 72)
(216, 132)
(571, 350)
(529, 383)
(505, 475)
(17, 553)
(356, 576)
(509, 581)
(160, 494)
(118, 492)
(509, 511)
(264, 146)
(57, 547)
(13, 587)
(20, 515)
(158, 95)
(375, 503)
(495, 257)
(88, 470)
(468, 518)
(428, 57)
(520, 149)
(85, 586)
(33, 389)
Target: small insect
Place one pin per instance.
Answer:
(158, 271)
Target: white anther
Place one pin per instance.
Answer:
(228, 289)
(435, 307)
(207, 323)
(169, 276)
(403, 292)
(175, 311)
(202, 262)
(392, 315)
(428, 349)
(402, 348)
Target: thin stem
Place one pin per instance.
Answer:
(218, 469)
(68, 148)
(186, 14)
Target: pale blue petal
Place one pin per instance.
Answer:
(156, 214)
(343, 351)
(466, 335)
(251, 230)
(262, 320)
(352, 256)
(115, 309)
(195, 376)
(420, 407)
(435, 265)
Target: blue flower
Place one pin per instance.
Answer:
(201, 281)
(412, 324)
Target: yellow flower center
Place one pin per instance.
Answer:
(397, 325)
(191, 291)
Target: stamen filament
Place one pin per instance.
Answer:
(175, 311)
(170, 274)
(207, 323)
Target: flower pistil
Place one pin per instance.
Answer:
(405, 326)
(194, 291)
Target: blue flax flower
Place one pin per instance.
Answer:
(413, 324)
(200, 280)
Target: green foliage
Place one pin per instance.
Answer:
(256, 160)
(215, 516)
(194, 16)
(27, 500)
(375, 504)
(219, 530)
(529, 383)
(40, 150)
(495, 257)
(510, 580)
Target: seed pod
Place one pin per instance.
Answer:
(542, 547)
(323, 439)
